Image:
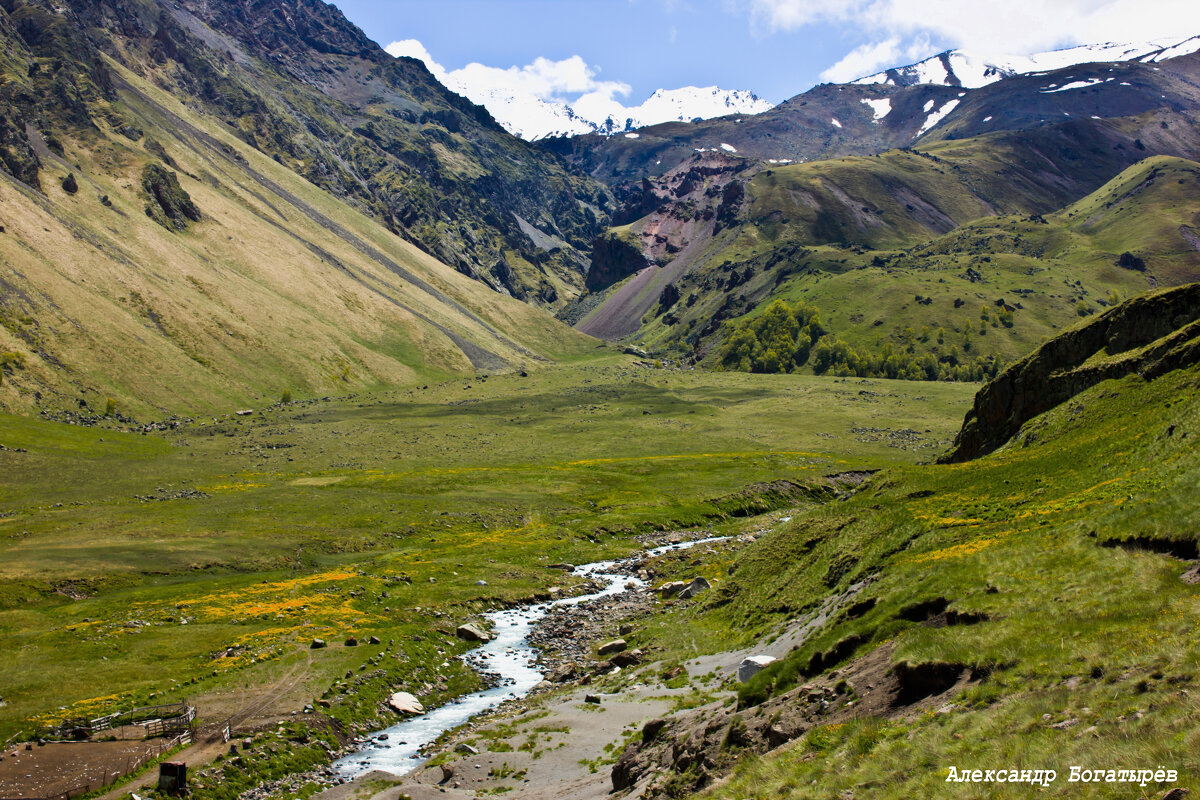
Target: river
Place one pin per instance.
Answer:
(399, 749)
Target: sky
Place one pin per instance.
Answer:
(625, 49)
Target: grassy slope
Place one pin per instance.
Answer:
(258, 298)
(1055, 270)
(493, 481)
(1027, 536)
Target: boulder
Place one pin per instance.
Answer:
(472, 633)
(694, 588)
(317, 644)
(562, 674)
(627, 659)
(351, 642)
(751, 666)
(615, 646)
(631, 350)
(405, 703)
(671, 589)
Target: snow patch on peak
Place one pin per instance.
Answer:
(972, 70)
(936, 117)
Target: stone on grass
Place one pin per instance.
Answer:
(615, 646)
(405, 703)
(472, 633)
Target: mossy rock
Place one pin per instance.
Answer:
(169, 204)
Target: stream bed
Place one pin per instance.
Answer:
(509, 655)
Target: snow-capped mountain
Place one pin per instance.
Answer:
(534, 118)
(971, 70)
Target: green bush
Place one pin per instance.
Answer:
(779, 340)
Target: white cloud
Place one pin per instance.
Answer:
(542, 79)
(895, 27)
(867, 58)
(414, 49)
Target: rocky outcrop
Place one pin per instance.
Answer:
(169, 204)
(1148, 335)
(692, 749)
(614, 258)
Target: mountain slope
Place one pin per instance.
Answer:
(972, 70)
(869, 117)
(1029, 610)
(167, 264)
(298, 82)
(862, 223)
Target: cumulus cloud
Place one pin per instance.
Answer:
(902, 30)
(542, 79)
(414, 49)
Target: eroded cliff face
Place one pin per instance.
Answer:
(1149, 335)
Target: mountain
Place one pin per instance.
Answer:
(877, 242)
(963, 69)
(926, 100)
(211, 204)
(921, 253)
(533, 118)
(301, 84)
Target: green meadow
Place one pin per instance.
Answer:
(200, 562)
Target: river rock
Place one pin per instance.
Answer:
(671, 589)
(751, 666)
(615, 646)
(472, 633)
(405, 703)
(562, 674)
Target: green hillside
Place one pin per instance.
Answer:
(278, 287)
(1024, 611)
(993, 287)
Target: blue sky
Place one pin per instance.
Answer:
(775, 48)
(646, 44)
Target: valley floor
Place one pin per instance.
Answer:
(199, 561)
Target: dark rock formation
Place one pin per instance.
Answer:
(1168, 321)
(613, 259)
(169, 204)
